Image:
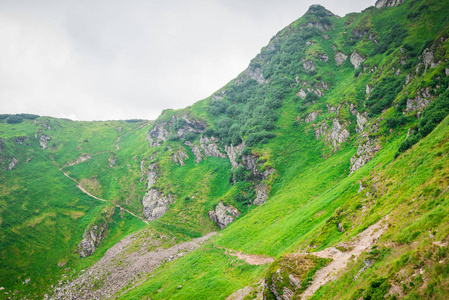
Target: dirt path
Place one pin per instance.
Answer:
(362, 242)
(78, 185)
(118, 268)
(250, 259)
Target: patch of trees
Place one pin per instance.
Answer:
(384, 94)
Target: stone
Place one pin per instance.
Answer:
(340, 227)
(210, 147)
(311, 117)
(323, 57)
(223, 215)
(43, 140)
(294, 281)
(365, 152)
(356, 59)
(262, 194)
(387, 3)
(301, 94)
(92, 237)
(340, 57)
(352, 109)
(427, 58)
(338, 134)
(13, 163)
(309, 65)
(368, 89)
(179, 157)
(155, 204)
(361, 121)
(255, 74)
(320, 130)
(233, 152)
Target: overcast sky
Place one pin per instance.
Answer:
(118, 59)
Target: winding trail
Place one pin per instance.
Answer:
(362, 242)
(78, 185)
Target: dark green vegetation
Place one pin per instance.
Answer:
(342, 120)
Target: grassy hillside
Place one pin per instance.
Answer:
(340, 121)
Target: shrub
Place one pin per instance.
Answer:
(14, 120)
(173, 138)
(190, 136)
(4, 116)
(28, 116)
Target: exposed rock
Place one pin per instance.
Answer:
(388, 3)
(233, 152)
(368, 263)
(368, 89)
(21, 139)
(420, 102)
(155, 204)
(356, 59)
(340, 57)
(352, 109)
(323, 57)
(219, 96)
(339, 134)
(13, 163)
(197, 152)
(361, 121)
(210, 147)
(427, 58)
(262, 194)
(179, 157)
(311, 117)
(92, 237)
(320, 130)
(301, 94)
(255, 74)
(446, 71)
(223, 215)
(365, 153)
(309, 65)
(333, 109)
(398, 72)
(119, 129)
(80, 159)
(43, 140)
(294, 281)
(340, 227)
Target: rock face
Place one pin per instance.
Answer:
(338, 135)
(262, 194)
(233, 152)
(365, 153)
(388, 3)
(340, 58)
(161, 130)
(210, 147)
(155, 204)
(43, 140)
(179, 157)
(92, 237)
(320, 130)
(13, 163)
(255, 74)
(356, 59)
(420, 102)
(223, 215)
(311, 117)
(309, 65)
(361, 121)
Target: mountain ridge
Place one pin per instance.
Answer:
(335, 124)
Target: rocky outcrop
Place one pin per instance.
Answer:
(233, 152)
(223, 215)
(361, 122)
(356, 59)
(333, 109)
(365, 153)
(388, 3)
(340, 58)
(160, 131)
(261, 194)
(420, 102)
(43, 141)
(320, 129)
(13, 163)
(311, 117)
(309, 65)
(301, 94)
(338, 135)
(210, 147)
(155, 204)
(179, 157)
(93, 235)
(255, 74)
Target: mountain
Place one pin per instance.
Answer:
(321, 172)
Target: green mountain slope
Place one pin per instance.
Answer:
(338, 124)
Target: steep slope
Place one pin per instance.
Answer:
(330, 129)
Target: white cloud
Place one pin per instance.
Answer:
(130, 59)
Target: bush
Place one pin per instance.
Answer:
(14, 120)
(383, 94)
(173, 138)
(190, 136)
(178, 124)
(4, 116)
(28, 116)
(394, 122)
